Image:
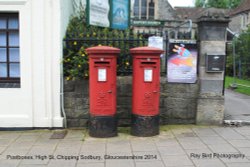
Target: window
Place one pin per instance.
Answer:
(151, 9)
(144, 9)
(9, 48)
(136, 9)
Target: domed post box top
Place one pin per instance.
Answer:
(146, 50)
(102, 50)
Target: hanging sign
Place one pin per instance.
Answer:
(120, 14)
(182, 61)
(98, 12)
(157, 42)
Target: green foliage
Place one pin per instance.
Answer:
(240, 89)
(199, 3)
(226, 4)
(80, 36)
(242, 54)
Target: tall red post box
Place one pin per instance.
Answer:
(102, 91)
(146, 91)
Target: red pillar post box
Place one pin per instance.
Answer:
(102, 91)
(146, 91)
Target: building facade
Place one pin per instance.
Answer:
(31, 34)
(152, 15)
(240, 17)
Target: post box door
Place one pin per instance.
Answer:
(148, 88)
(103, 87)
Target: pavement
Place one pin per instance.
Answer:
(176, 146)
(237, 106)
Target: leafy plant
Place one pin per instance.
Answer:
(80, 36)
(226, 4)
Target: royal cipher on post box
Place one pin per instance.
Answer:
(102, 91)
(146, 91)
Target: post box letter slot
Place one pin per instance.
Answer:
(102, 63)
(102, 75)
(148, 75)
(150, 64)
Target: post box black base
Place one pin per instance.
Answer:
(145, 126)
(102, 126)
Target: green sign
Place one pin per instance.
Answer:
(120, 14)
(146, 23)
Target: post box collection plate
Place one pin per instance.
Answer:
(148, 75)
(102, 75)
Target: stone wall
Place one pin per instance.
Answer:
(164, 11)
(178, 102)
(212, 41)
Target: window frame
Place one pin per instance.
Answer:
(7, 32)
(141, 8)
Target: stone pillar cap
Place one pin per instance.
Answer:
(214, 15)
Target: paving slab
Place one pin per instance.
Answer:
(121, 146)
(5, 142)
(10, 135)
(120, 164)
(238, 165)
(180, 160)
(240, 143)
(168, 142)
(215, 140)
(150, 164)
(30, 165)
(228, 133)
(191, 143)
(243, 131)
(208, 163)
(223, 148)
(8, 163)
(91, 165)
(205, 132)
(2, 149)
(172, 148)
(97, 147)
(143, 145)
(21, 145)
(61, 163)
(245, 151)
(68, 144)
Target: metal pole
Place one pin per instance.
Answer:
(234, 65)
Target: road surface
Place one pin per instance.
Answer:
(237, 106)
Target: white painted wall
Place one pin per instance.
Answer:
(42, 27)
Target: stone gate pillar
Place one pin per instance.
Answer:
(212, 27)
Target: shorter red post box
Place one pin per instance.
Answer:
(102, 91)
(146, 91)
